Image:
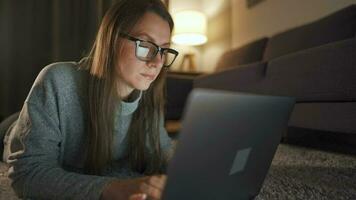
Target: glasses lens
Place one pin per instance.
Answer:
(168, 57)
(145, 50)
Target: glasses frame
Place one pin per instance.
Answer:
(159, 49)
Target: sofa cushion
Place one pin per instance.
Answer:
(338, 26)
(244, 78)
(249, 53)
(325, 73)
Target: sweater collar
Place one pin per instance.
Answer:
(128, 107)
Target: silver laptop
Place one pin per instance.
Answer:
(226, 145)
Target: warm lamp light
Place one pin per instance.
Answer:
(190, 28)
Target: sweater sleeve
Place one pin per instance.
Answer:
(35, 169)
(35, 166)
(166, 142)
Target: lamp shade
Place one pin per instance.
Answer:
(190, 28)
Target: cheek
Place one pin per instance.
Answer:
(127, 63)
(129, 69)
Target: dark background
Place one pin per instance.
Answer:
(35, 33)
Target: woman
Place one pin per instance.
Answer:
(94, 129)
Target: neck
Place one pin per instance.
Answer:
(125, 94)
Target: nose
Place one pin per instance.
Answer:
(157, 61)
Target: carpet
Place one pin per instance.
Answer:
(303, 173)
(296, 173)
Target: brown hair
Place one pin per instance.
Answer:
(144, 152)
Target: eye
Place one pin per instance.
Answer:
(142, 51)
(149, 49)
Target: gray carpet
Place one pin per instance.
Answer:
(295, 173)
(302, 173)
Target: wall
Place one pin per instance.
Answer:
(272, 16)
(219, 34)
(231, 24)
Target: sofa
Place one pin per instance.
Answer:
(316, 63)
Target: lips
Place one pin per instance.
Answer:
(149, 76)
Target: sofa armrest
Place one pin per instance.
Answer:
(4, 126)
(184, 73)
(178, 88)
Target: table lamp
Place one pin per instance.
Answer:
(190, 29)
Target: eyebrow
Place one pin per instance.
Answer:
(151, 39)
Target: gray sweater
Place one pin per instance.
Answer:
(46, 144)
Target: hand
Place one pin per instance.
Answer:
(138, 197)
(135, 189)
(153, 188)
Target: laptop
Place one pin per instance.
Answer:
(226, 145)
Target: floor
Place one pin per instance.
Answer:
(305, 166)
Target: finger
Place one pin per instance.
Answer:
(151, 191)
(140, 196)
(158, 181)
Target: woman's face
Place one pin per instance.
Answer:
(134, 73)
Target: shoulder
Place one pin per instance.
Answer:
(59, 79)
(63, 75)
(58, 71)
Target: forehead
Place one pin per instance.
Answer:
(154, 26)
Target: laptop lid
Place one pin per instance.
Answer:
(226, 145)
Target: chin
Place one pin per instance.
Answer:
(143, 86)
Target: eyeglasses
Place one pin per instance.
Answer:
(147, 51)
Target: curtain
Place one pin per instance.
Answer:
(35, 33)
